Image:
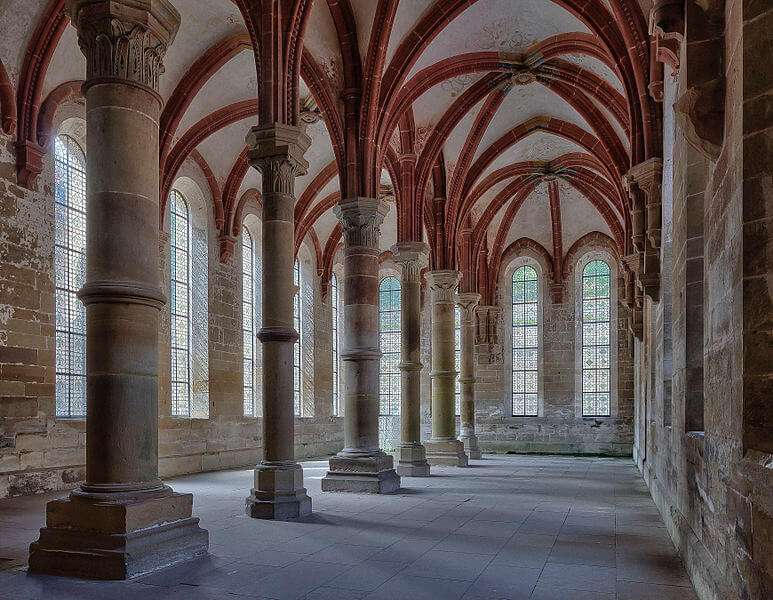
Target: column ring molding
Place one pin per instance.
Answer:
(278, 334)
(121, 292)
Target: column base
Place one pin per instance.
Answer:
(369, 474)
(278, 494)
(97, 536)
(471, 447)
(446, 452)
(412, 461)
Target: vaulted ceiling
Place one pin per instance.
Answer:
(519, 115)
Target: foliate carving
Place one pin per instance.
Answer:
(468, 302)
(443, 285)
(125, 40)
(412, 257)
(278, 174)
(277, 152)
(361, 221)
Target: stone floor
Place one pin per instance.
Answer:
(545, 528)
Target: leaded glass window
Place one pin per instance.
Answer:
(525, 342)
(389, 342)
(596, 288)
(248, 321)
(334, 299)
(180, 304)
(70, 274)
(297, 346)
(458, 359)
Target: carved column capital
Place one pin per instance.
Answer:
(124, 40)
(468, 302)
(412, 257)
(443, 285)
(666, 27)
(277, 152)
(361, 220)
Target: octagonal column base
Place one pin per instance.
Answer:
(366, 474)
(127, 535)
(412, 461)
(447, 452)
(278, 494)
(471, 447)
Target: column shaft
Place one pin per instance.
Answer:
(468, 303)
(95, 532)
(277, 152)
(361, 466)
(443, 448)
(412, 256)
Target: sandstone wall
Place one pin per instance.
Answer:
(706, 450)
(41, 453)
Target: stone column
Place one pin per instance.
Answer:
(468, 302)
(411, 457)
(278, 493)
(443, 448)
(122, 521)
(361, 466)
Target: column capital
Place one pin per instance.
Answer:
(361, 219)
(468, 302)
(124, 40)
(277, 152)
(412, 257)
(443, 285)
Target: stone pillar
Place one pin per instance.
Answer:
(277, 152)
(468, 302)
(443, 448)
(361, 466)
(122, 521)
(411, 457)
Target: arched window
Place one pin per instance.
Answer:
(389, 342)
(596, 297)
(458, 358)
(334, 299)
(299, 344)
(70, 273)
(525, 342)
(248, 321)
(180, 304)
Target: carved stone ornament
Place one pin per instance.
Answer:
(468, 302)
(443, 285)
(277, 152)
(666, 26)
(361, 219)
(124, 39)
(412, 257)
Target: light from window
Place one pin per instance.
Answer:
(525, 342)
(389, 342)
(458, 358)
(334, 299)
(70, 273)
(180, 260)
(297, 345)
(248, 321)
(596, 284)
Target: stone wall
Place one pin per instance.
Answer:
(39, 452)
(706, 455)
(560, 426)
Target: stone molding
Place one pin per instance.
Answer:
(277, 151)
(443, 285)
(412, 257)
(124, 40)
(361, 220)
(468, 302)
(643, 182)
(122, 292)
(666, 28)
